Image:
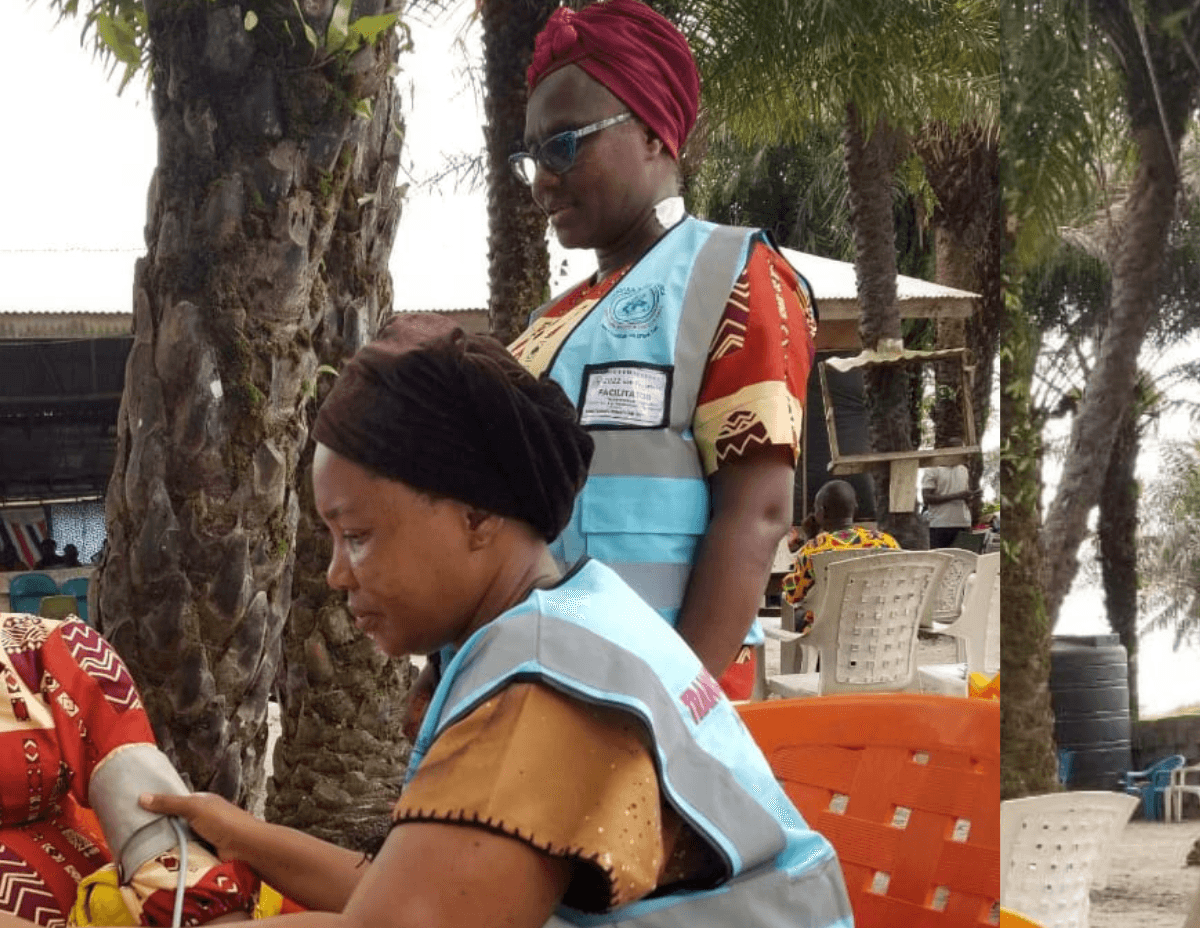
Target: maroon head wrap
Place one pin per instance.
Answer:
(634, 52)
(456, 415)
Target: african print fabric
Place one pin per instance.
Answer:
(799, 580)
(756, 374)
(69, 703)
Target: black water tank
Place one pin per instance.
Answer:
(1089, 688)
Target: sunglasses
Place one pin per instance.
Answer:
(557, 153)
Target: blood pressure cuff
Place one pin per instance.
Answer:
(134, 835)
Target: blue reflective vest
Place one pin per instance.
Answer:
(591, 638)
(634, 367)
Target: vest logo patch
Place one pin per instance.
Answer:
(701, 695)
(634, 311)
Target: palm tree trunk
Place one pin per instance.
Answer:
(1027, 757)
(963, 168)
(256, 148)
(1110, 387)
(871, 161)
(339, 762)
(1117, 531)
(518, 259)
(1161, 88)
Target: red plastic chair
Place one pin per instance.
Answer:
(906, 787)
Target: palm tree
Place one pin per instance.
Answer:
(1050, 129)
(340, 758)
(518, 259)
(1150, 45)
(858, 63)
(1170, 543)
(1045, 150)
(276, 133)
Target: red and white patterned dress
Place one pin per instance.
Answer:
(69, 703)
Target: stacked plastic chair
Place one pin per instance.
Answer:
(25, 591)
(78, 587)
(1052, 850)
(1152, 784)
(906, 787)
(865, 630)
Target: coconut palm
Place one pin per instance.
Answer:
(277, 133)
(773, 72)
(518, 260)
(1151, 46)
(1170, 543)
(1046, 148)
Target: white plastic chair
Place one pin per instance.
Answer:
(795, 655)
(977, 631)
(1178, 788)
(865, 633)
(1051, 849)
(951, 592)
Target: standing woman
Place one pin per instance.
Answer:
(577, 764)
(687, 353)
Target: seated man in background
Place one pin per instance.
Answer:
(833, 511)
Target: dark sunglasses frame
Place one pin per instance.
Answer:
(557, 153)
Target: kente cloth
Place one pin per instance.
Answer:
(455, 415)
(633, 51)
(798, 581)
(755, 380)
(571, 780)
(69, 703)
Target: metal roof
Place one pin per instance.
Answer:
(835, 286)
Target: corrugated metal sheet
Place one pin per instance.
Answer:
(64, 325)
(836, 288)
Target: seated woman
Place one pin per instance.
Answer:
(76, 748)
(577, 764)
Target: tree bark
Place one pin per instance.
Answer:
(257, 142)
(963, 168)
(1159, 105)
(1027, 756)
(339, 762)
(1117, 531)
(871, 160)
(1110, 387)
(518, 258)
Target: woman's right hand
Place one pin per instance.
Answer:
(215, 819)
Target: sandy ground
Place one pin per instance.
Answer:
(1149, 885)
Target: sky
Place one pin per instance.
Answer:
(79, 160)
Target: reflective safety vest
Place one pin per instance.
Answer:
(634, 368)
(593, 639)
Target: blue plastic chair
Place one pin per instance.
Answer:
(78, 587)
(25, 591)
(1151, 785)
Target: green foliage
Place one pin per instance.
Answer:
(1060, 101)
(343, 37)
(774, 72)
(1169, 547)
(118, 31)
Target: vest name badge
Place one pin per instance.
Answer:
(625, 395)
